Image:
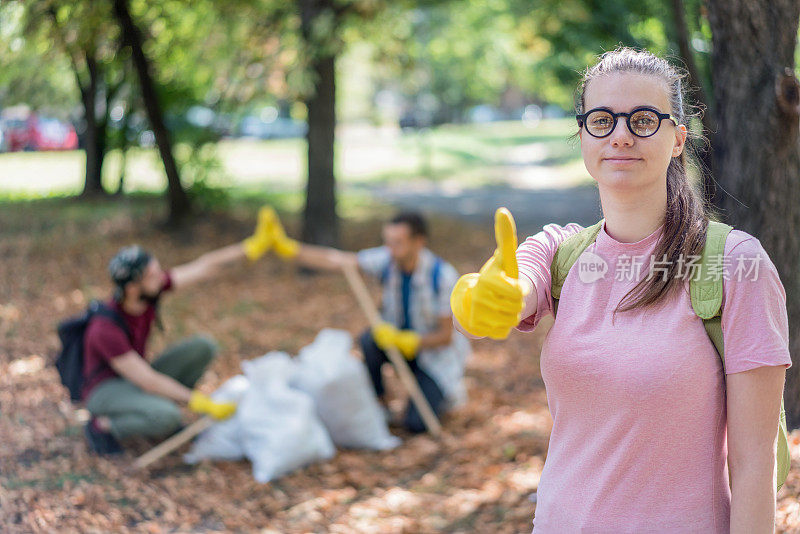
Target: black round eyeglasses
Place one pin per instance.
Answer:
(642, 122)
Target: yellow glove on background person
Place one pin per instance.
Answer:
(285, 247)
(258, 244)
(201, 403)
(406, 341)
(489, 302)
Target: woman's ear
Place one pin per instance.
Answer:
(680, 140)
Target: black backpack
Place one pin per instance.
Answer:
(69, 361)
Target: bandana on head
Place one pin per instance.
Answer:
(128, 265)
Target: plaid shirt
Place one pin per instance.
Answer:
(427, 307)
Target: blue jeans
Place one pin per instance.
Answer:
(374, 358)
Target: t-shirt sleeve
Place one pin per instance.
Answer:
(755, 326)
(167, 281)
(448, 276)
(374, 260)
(106, 340)
(534, 257)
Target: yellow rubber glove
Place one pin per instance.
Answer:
(262, 239)
(201, 403)
(406, 341)
(384, 335)
(284, 246)
(489, 302)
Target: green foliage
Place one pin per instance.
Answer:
(238, 55)
(202, 169)
(460, 53)
(244, 53)
(452, 53)
(222, 55)
(569, 34)
(31, 72)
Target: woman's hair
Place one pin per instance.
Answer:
(687, 215)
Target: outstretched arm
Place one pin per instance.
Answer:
(206, 266)
(311, 256)
(324, 258)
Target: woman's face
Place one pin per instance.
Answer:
(622, 160)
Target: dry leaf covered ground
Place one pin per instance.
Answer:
(477, 478)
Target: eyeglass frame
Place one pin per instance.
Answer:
(661, 117)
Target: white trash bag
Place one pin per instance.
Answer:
(222, 440)
(279, 427)
(343, 394)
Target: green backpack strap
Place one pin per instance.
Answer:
(566, 255)
(784, 457)
(706, 287)
(706, 292)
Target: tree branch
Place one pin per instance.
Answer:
(697, 89)
(68, 50)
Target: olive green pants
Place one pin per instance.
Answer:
(132, 411)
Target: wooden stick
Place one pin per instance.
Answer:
(400, 364)
(173, 442)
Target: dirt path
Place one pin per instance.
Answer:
(533, 187)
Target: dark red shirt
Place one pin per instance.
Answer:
(104, 340)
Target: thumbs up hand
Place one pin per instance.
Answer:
(489, 302)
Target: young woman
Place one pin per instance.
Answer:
(644, 417)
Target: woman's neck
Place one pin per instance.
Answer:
(632, 216)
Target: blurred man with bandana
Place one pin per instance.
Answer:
(126, 395)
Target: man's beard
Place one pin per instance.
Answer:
(150, 298)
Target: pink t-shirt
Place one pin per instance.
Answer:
(638, 405)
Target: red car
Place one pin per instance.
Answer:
(39, 133)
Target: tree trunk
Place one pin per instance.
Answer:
(95, 133)
(179, 205)
(757, 142)
(95, 140)
(320, 222)
(123, 154)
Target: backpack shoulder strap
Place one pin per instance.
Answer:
(567, 254)
(706, 293)
(99, 308)
(385, 272)
(705, 287)
(436, 273)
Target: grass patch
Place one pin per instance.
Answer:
(248, 166)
